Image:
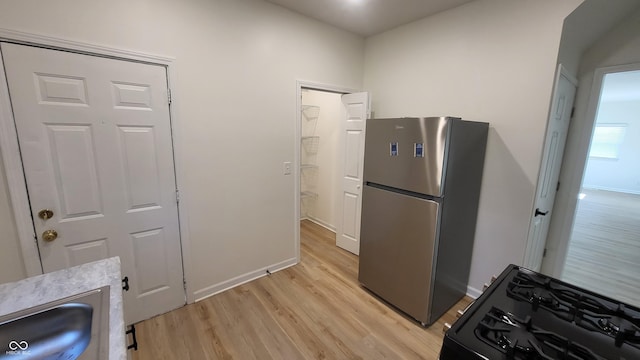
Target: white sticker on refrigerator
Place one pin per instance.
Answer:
(418, 150)
(393, 148)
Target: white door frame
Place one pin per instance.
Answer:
(13, 162)
(565, 216)
(300, 84)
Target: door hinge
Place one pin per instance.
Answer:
(558, 186)
(169, 96)
(184, 284)
(177, 196)
(544, 253)
(573, 111)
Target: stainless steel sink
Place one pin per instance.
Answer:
(76, 327)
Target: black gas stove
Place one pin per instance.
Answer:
(525, 315)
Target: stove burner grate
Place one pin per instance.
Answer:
(575, 306)
(542, 293)
(519, 339)
(618, 323)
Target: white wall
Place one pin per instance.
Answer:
(489, 60)
(619, 46)
(237, 66)
(324, 179)
(621, 174)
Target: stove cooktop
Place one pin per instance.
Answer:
(525, 315)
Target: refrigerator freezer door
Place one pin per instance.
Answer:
(396, 249)
(407, 153)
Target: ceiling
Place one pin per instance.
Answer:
(368, 17)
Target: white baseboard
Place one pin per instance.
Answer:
(242, 279)
(473, 292)
(321, 223)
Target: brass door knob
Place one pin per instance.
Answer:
(49, 235)
(45, 214)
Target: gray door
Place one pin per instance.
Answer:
(396, 249)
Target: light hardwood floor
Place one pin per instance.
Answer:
(604, 251)
(314, 310)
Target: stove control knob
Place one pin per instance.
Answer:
(485, 287)
(459, 313)
(493, 278)
(446, 327)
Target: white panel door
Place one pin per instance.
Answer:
(352, 160)
(96, 145)
(556, 136)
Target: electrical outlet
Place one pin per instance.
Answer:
(287, 167)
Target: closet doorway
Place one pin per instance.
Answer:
(321, 113)
(329, 159)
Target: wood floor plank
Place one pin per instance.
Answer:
(211, 332)
(314, 310)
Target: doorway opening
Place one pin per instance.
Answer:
(321, 113)
(604, 244)
(329, 157)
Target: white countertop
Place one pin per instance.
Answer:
(42, 289)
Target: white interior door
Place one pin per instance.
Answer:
(556, 136)
(95, 139)
(352, 160)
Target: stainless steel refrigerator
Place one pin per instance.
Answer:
(422, 180)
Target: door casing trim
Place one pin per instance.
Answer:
(13, 162)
